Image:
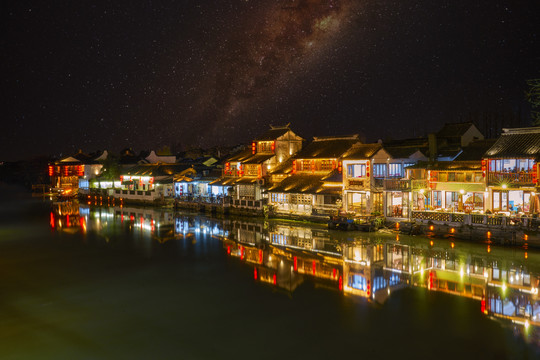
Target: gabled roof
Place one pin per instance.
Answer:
(452, 130)
(328, 147)
(402, 152)
(362, 151)
(448, 165)
(516, 143)
(82, 158)
(476, 150)
(274, 133)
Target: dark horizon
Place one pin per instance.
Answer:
(184, 74)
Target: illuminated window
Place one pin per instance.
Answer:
(379, 170)
(356, 170)
(395, 170)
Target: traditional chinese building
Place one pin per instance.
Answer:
(454, 186)
(247, 172)
(69, 173)
(510, 168)
(315, 184)
(362, 193)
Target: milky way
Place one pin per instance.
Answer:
(110, 75)
(262, 57)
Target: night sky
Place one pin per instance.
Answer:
(145, 74)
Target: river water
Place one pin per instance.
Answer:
(89, 281)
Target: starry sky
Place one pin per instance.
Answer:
(187, 73)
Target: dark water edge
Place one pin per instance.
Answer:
(117, 295)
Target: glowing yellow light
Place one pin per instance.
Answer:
(504, 287)
(504, 186)
(431, 243)
(452, 230)
(488, 234)
(462, 191)
(452, 245)
(489, 249)
(431, 228)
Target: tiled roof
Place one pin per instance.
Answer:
(476, 150)
(284, 167)
(402, 152)
(452, 130)
(304, 184)
(362, 151)
(516, 143)
(258, 158)
(241, 156)
(273, 133)
(328, 147)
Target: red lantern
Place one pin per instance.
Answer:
(484, 168)
(273, 146)
(253, 147)
(340, 168)
(294, 167)
(367, 169)
(51, 171)
(534, 174)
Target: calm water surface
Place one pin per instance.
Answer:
(82, 281)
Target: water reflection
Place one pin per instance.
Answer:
(370, 267)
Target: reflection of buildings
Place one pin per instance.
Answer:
(503, 281)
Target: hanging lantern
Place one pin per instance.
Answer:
(367, 169)
(253, 147)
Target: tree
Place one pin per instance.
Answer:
(111, 168)
(533, 96)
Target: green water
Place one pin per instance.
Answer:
(105, 287)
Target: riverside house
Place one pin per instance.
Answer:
(245, 174)
(511, 170)
(362, 190)
(314, 186)
(74, 172)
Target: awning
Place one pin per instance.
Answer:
(225, 181)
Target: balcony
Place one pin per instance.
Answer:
(397, 185)
(510, 178)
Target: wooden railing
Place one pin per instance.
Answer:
(511, 178)
(477, 219)
(397, 185)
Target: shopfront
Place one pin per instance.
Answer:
(397, 204)
(513, 201)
